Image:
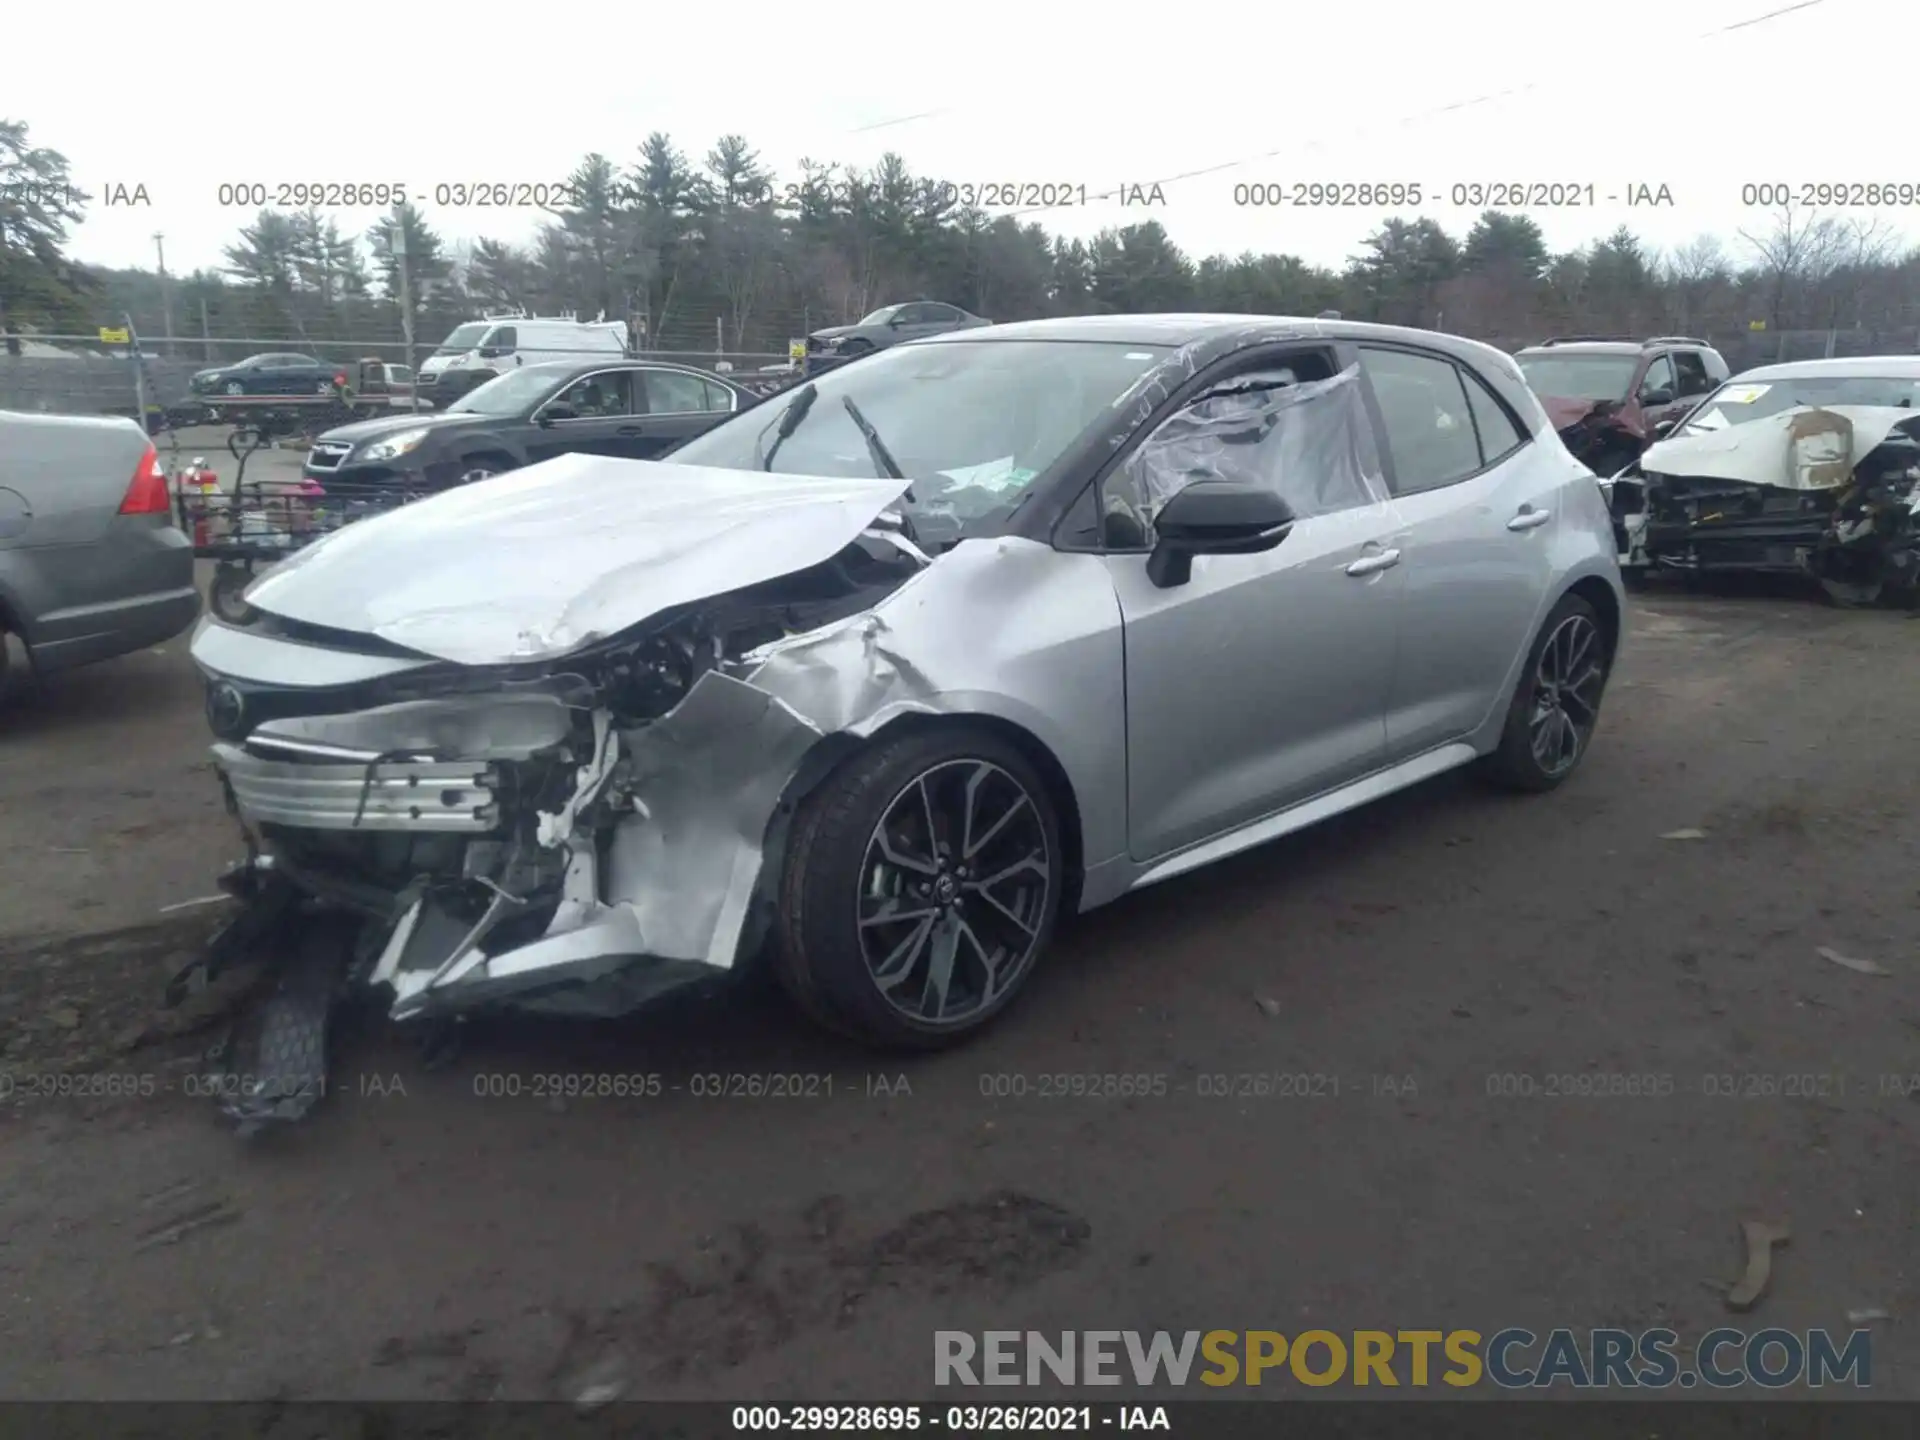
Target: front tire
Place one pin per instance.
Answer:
(922, 883)
(1556, 705)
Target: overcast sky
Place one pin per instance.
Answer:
(1478, 91)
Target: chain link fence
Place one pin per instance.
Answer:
(75, 375)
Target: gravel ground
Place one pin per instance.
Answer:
(430, 1235)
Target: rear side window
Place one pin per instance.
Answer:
(1692, 369)
(1427, 416)
(1499, 436)
(672, 392)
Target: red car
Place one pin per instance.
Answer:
(1610, 398)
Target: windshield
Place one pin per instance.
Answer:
(463, 339)
(1739, 401)
(513, 393)
(1579, 377)
(971, 424)
(878, 317)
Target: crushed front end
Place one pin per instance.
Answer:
(575, 835)
(1829, 493)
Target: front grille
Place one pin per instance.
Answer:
(409, 795)
(328, 456)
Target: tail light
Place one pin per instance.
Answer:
(147, 494)
(341, 379)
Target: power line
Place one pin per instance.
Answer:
(1405, 120)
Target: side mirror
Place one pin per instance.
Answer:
(1660, 396)
(491, 352)
(1214, 517)
(894, 322)
(553, 413)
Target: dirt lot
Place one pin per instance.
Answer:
(422, 1237)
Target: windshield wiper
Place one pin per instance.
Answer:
(874, 446)
(790, 419)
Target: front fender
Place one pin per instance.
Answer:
(1004, 627)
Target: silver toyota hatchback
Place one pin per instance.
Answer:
(880, 677)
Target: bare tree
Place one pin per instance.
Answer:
(1691, 271)
(1798, 253)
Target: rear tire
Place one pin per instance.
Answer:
(921, 886)
(1556, 705)
(223, 596)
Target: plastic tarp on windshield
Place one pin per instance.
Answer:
(1310, 441)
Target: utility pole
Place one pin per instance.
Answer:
(406, 299)
(166, 289)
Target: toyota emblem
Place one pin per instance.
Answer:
(226, 710)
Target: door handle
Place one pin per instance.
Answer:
(1374, 564)
(1529, 519)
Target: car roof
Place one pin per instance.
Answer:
(1587, 347)
(1181, 329)
(560, 368)
(1854, 367)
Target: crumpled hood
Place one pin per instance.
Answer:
(1806, 448)
(536, 563)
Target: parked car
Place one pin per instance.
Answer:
(630, 409)
(91, 562)
(1808, 468)
(479, 350)
(889, 325)
(894, 670)
(270, 374)
(1608, 397)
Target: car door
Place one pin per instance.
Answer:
(1696, 382)
(1474, 498)
(588, 417)
(1260, 682)
(672, 406)
(1659, 393)
(923, 318)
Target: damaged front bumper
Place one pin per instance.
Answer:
(543, 856)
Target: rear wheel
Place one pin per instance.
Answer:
(1556, 705)
(921, 886)
(223, 597)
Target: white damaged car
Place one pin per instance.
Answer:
(881, 676)
(1810, 467)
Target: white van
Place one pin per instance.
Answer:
(481, 349)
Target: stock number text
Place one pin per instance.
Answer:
(1327, 194)
(1839, 194)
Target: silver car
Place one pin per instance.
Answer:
(92, 564)
(881, 677)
